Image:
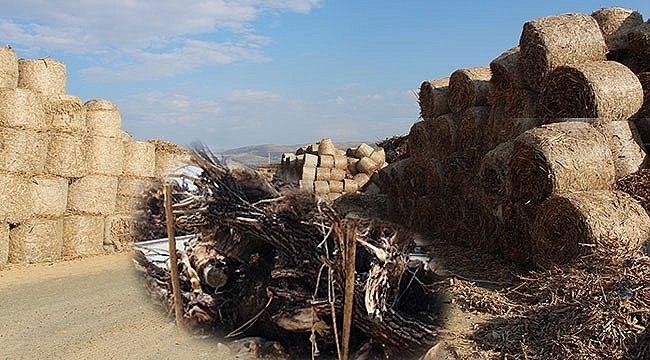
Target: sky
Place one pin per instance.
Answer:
(233, 73)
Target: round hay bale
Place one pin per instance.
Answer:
(326, 147)
(323, 174)
(596, 89)
(65, 156)
(8, 68)
(104, 155)
(45, 76)
(23, 151)
(321, 187)
(639, 42)
(4, 244)
(550, 42)
(615, 23)
(15, 198)
(82, 235)
(626, 145)
(493, 175)
(506, 76)
(636, 185)
(336, 186)
(169, 158)
(521, 103)
(378, 155)
(469, 87)
(139, 159)
(367, 166)
(419, 141)
(49, 194)
(326, 161)
(575, 224)
(36, 240)
(443, 132)
(337, 174)
(103, 118)
(556, 159)
(472, 129)
(350, 186)
(134, 187)
(21, 109)
(433, 98)
(363, 150)
(361, 179)
(65, 113)
(93, 195)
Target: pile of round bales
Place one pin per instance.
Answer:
(329, 172)
(521, 157)
(71, 177)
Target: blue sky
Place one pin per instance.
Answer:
(237, 73)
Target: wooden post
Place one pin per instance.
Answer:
(173, 259)
(350, 257)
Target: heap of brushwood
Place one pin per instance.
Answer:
(271, 263)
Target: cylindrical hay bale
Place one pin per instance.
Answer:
(341, 161)
(135, 187)
(306, 185)
(326, 147)
(4, 244)
(639, 42)
(615, 23)
(472, 130)
(433, 98)
(119, 231)
(336, 186)
(8, 70)
(308, 173)
(521, 103)
(419, 141)
(350, 186)
(21, 109)
(23, 151)
(93, 195)
(367, 166)
(626, 146)
(506, 76)
(49, 194)
(65, 113)
(337, 174)
(46, 76)
(361, 179)
(326, 161)
(584, 222)
(311, 160)
(83, 235)
(323, 174)
(321, 187)
(493, 175)
(103, 118)
(16, 204)
(65, 156)
(444, 130)
(378, 155)
(139, 159)
(559, 158)
(469, 87)
(36, 240)
(363, 150)
(596, 89)
(104, 155)
(550, 42)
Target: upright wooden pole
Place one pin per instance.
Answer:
(173, 259)
(350, 256)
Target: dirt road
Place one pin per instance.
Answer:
(93, 308)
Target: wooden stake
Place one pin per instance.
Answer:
(173, 260)
(350, 257)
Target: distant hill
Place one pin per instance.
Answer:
(256, 155)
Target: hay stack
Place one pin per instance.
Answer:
(139, 159)
(443, 134)
(21, 109)
(15, 198)
(23, 151)
(556, 159)
(626, 146)
(497, 124)
(104, 155)
(506, 76)
(93, 195)
(45, 76)
(4, 244)
(65, 113)
(49, 194)
(472, 130)
(637, 185)
(169, 157)
(66, 156)
(550, 42)
(8, 69)
(639, 42)
(595, 89)
(82, 235)
(326, 147)
(103, 118)
(36, 240)
(579, 223)
(615, 23)
(433, 98)
(469, 87)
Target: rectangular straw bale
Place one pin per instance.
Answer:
(307, 185)
(323, 174)
(15, 198)
(139, 159)
(36, 240)
(361, 151)
(23, 151)
(65, 156)
(321, 187)
(104, 155)
(469, 87)
(8, 69)
(65, 113)
(553, 41)
(93, 195)
(46, 76)
(433, 98)
(4, 244)
(378, 155)
(82, 235)
(49, 194)
(120, 231)
(311, 160)
(626, 145)
(21, 109)
(308, 173)
(367, 166)
(336, 186)
(103, 118)
(326, 161)
(125, 136)
(341, 161)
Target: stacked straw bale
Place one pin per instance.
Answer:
(433, 98)
(45, 76)
(170, 158)
(8, 68)
(469, 87)
(616, 23)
